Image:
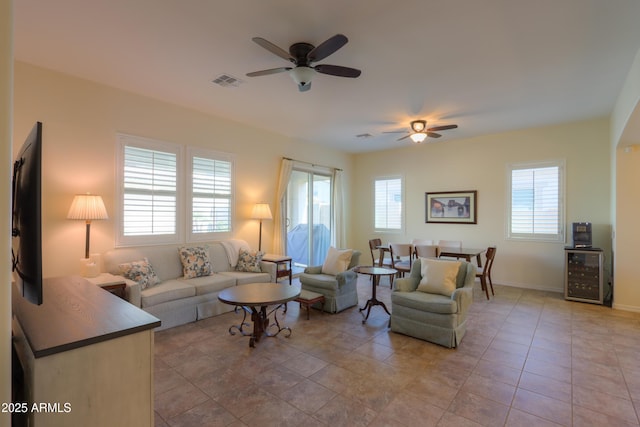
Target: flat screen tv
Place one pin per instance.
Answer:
(26, 227)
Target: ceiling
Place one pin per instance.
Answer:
(488, 66)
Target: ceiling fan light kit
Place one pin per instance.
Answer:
(418, 137)
(302, 75)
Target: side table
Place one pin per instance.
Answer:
(283, 265)
(110, 283)
(376, 273)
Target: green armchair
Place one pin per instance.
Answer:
(425, 311)
(339, 290)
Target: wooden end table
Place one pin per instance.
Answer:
(110, 283)
(283, 265)
(376, 272)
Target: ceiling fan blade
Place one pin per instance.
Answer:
(274, 49)
(445, 127)
(305, 87)
(269, 71)
(327, 47)
(434, 135)
(404, 137)
(337, 70)
(395, 131)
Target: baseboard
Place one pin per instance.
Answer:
(623, 307)
(532, 287)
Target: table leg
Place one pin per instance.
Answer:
(277, 324)
(479, 259)
(260, 319)
(260, 324)
(373, 300)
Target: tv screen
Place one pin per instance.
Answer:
(26, 251)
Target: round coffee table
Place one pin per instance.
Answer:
(376, 272)
(254, 298)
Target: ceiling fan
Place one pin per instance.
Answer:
(420, 132)
(302, 55)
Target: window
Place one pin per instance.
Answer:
(536, 201)
(211, 196)
(388, 201)
(152, 180)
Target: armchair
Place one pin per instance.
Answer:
(422, 309)
(339, 290)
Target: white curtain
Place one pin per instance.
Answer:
(339, 232)
(280, 217)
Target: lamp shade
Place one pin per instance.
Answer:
(87, 207)
(261, 211)
(418, 137)
(302, 75)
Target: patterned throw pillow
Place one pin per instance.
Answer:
(195, 261)
(249, 261)
(140, 272)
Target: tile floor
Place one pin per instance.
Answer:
(529, 358)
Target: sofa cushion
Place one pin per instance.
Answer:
(249, 261)
(140, 272)
(337, 261)
(421, 301)
(212, 283)
(195, 261)
(242, 278)
(166, 291)
(438, 276)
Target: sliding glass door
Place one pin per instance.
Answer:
(308, 218)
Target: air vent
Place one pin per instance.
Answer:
(227, 80)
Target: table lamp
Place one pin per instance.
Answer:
(88, 207)
(261, 211)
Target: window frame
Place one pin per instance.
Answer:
(400, 229)
(560, 235)
(211, 155)
(184, 191)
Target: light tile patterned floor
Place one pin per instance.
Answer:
(529, 359)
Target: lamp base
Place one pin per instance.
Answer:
(88, 268)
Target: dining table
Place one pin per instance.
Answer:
(466, 253)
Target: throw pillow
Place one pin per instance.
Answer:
(249, 261)
(140, 272)
(337, 261)
(438, 276)
(195, 261)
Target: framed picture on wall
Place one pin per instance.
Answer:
(452, 207)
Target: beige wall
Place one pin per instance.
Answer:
(625, 148)
(480, 164)
(6, 67)
(80, 122)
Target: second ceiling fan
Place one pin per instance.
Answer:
(420, 132)
(302, 56)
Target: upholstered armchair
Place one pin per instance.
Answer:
(432, 302)
(334, 279)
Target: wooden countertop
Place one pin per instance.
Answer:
(76, 313)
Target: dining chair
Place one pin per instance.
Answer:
(456, 244)
(484, 273)
(401, 257)
(423, 242)
(426, 251)
(375, 247)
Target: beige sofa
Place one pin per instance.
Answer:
(177, 300)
